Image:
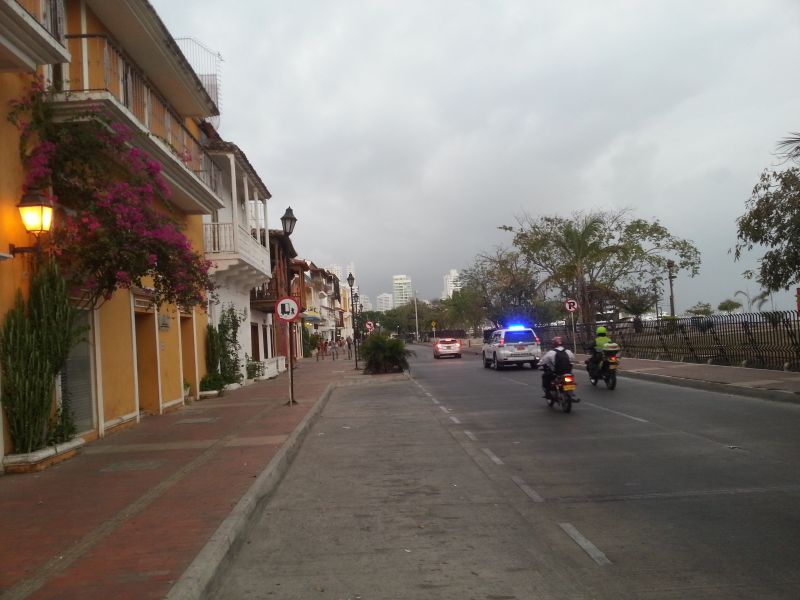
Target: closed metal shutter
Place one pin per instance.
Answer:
(76, 382)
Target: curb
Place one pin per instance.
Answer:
(202, 573)
(713, 386)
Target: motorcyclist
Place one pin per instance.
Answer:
(557, 361)
(597, 347)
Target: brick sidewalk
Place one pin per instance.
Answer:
(128, 515)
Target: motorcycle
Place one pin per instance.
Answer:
(562, 391)
(604, 365)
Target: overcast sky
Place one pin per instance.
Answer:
(403, 133)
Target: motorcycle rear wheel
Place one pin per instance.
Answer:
(566, 402)
(611, 380)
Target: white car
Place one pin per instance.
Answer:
(514, 345)
(447, 347)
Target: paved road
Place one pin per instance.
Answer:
(462, 484)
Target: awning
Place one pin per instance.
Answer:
(311, 316)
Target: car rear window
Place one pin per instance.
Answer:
(448, 341)
(515, 337)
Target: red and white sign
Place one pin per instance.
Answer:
(370, 325)
(287, 309)
(571, 305)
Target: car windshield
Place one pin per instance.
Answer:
(522, 336)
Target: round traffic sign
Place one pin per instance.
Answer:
(571, 305)
(287, 309)
(370, 325)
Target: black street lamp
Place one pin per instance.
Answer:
(350, 281)
(288, 221)
(671, 276)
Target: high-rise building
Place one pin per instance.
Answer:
(452, 283)
(337, 270)
(401, 290)
(365, 302)
(385, 302)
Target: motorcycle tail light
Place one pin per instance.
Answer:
(568, 379)
(612, 359)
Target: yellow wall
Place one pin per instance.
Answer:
(170, 356)
(14, 273)
(116, 352)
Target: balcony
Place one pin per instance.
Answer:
(102, 76)
(239, 258)
(29, 35)
(264, 297)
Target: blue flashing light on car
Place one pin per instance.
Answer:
(517, 327)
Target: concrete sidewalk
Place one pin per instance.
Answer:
(758, 383)
(128, 516)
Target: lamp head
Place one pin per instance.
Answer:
(350, 279)
(36, 211)
(288, 221)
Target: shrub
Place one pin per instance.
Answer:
(383, 354)
(212, 382)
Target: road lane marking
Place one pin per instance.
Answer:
(495, 459)
(621, 414)
(455, 420)
(429, 394)
(587, 546)
(434, 400)
(470, 435)
(527, 489)
(515, 381)
(445, 410)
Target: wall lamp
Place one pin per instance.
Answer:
(36, 211)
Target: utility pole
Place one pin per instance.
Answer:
(416, 315)
(671, 276)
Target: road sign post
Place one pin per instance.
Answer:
(288, 311)
(571, 306)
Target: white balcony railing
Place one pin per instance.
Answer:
(235, 243)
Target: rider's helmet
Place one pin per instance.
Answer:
(602, 330)
(557, 341)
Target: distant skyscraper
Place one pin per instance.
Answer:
(452, 283)
(401, 290)
(385, 302)
(337, 270)
(365, 302)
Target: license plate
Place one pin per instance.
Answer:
(522, 347)
(612, 366)
(569, 388)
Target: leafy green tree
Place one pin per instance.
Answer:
(504, 284)
(588, 255)
(772, 221)
(701, 309)
(464, 310)
(636, 299)
(729, 305)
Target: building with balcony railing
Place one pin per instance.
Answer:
(117, 61)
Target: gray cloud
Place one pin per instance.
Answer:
(403, 134)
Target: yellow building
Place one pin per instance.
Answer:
(118, 56)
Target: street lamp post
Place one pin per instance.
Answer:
(671, 276)
(288, 221)
(350, 281)
(416, 316)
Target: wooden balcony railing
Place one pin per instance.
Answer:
(107, 68)
(50, 15)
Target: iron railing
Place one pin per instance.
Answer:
(108, 68)
(768, 340)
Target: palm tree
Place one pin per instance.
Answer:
(758, 301)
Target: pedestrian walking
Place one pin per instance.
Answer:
(349, 343)
(334, 350)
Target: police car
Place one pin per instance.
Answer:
(512, 345)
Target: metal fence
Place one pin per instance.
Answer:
(768, 340)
